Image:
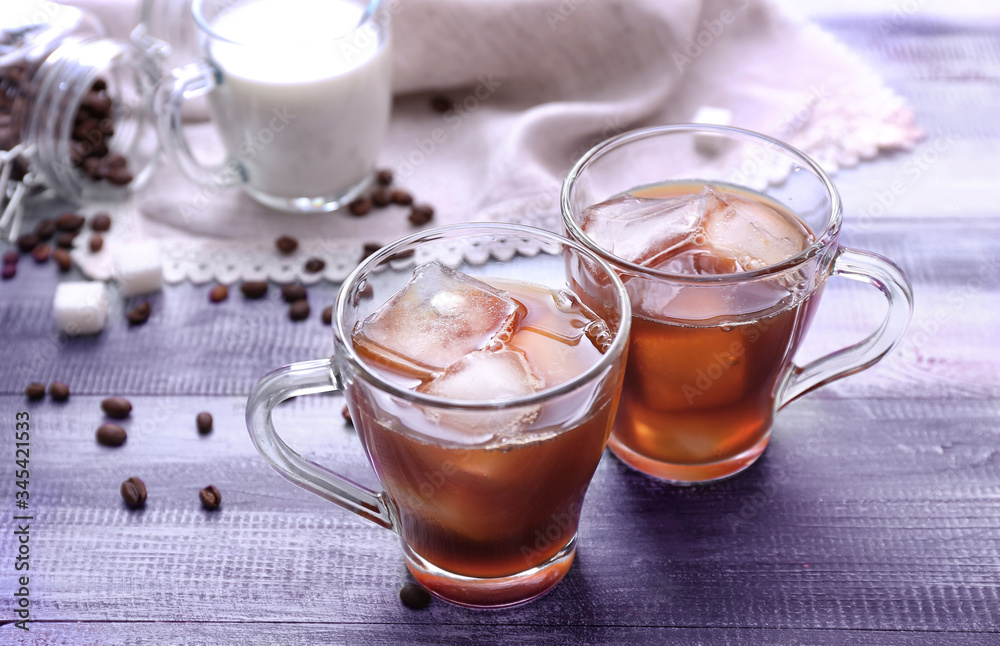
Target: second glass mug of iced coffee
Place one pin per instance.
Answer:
(724, 239)
(483, 398)
(300, 93)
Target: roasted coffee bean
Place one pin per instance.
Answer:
(293, 292)
(63, 259)
(8, 272)
(401, 255)
(210, 498)
(414, 596)
(381, 197)
(96, 242)
(383, 177)
(360, 206)
(421, 214)
(204, 423)
(116, 407)
(299, 310)
(93, 168)
(370, 248)
(346, 412)
(11, 257)
(101, 222)
(254, 289)
(65, 240)
(70, 222)
(327, 315)
(113, 160)
(45, 229)
(111, 435)
(27, 242)
(58, 391)
(134, 492)
(441, 103)
(118, 176)
(35, 391)
(399, 196)
(41, 253)
(286, 244)
(97, 104)
(140, 313)
(218, 294)
(314, 265)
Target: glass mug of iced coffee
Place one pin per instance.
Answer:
(724, 239)
(300, 93)
(483, 391)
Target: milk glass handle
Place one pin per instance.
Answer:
(189, 82)
(875, 270)
(307, 378)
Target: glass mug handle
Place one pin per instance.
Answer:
(307, 378)
(873, 269)
(188, 82)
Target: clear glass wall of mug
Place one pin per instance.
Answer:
(724, 239)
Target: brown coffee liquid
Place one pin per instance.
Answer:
(701, 381)
(510, 503)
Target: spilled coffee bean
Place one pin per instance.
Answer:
(140, 313)
(116, 407)
(286, 244)
(314, 265)
(101, 222)
(218, 294)
(96, 242)
(381, 197)
(45, 229)
(360, 206)
(327, 315)
(204, 422)
(254, 289)
(111, 435)
(299, 310)
(65, 240)
(70, 222)
(441, 103)
(414, 596)
(133, 492)
(404, 198)
(293, 292)
(210, 498)
(346, 412)
(41, 252)
(421, 214)
(63, 259)
(27, 242)
(383, 177)
(35, 391)
(58, 391)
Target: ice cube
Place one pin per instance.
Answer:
(436, 318)
(643, 229)
(480, 376)
(748, 231)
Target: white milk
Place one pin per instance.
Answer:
(303, 102)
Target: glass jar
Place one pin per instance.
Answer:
(74, 106)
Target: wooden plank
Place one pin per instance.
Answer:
(283, 633)
(873, 515)
(180, 350)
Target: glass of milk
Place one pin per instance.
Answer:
(300, 93)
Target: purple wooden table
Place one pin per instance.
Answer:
(874, 517)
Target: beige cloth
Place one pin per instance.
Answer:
(535, 83)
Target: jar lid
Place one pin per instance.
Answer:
(31, 28)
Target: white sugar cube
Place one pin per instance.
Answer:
(710, 143)
(138, 268)
(80, 307)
